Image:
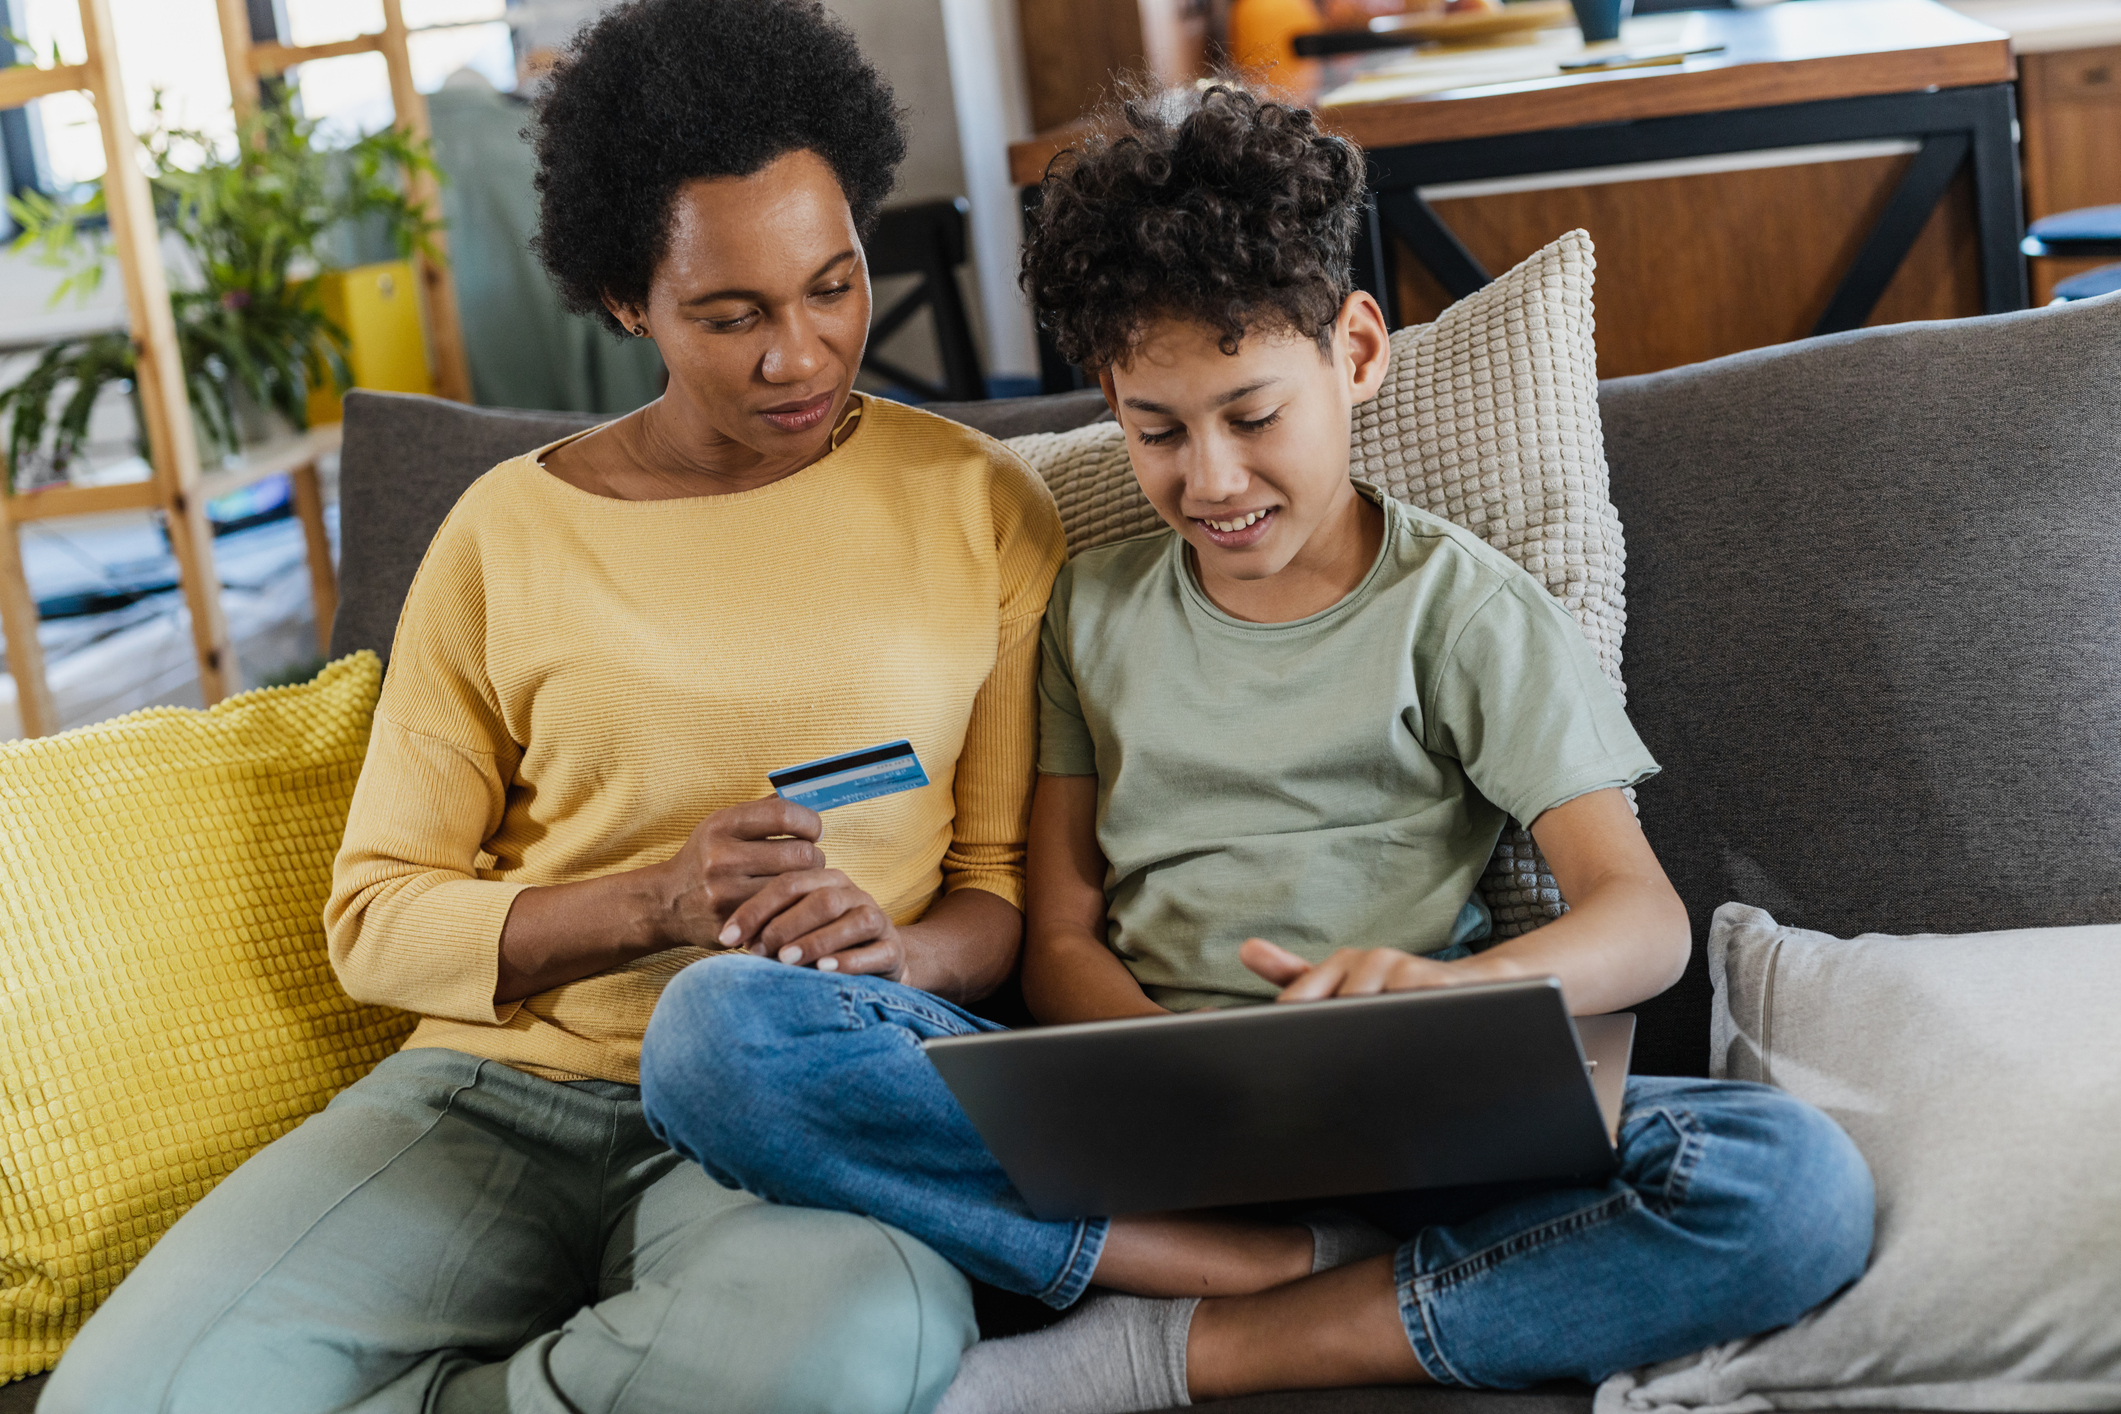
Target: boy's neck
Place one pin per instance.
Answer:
(1336, 559)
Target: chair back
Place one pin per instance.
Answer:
(926, 239)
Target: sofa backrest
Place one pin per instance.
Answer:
(1874, 630)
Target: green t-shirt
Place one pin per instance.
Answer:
(1339, 781)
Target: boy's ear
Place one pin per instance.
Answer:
(1110, 388)
(1367, 342)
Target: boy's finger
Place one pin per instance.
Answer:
(1319, 983)
(1277, 964)
(1370, 974)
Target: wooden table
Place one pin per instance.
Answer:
(1724, 232)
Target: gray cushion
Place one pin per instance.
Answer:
(1871, 630)
(407, 459)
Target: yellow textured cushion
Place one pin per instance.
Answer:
(166, 1006)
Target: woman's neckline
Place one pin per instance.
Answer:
(858, 413)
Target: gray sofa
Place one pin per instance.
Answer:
(1872, 637)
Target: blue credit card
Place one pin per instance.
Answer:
(851, 776)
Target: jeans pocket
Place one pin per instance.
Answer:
(1660, 1151)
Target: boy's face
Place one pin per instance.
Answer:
(1246, 454)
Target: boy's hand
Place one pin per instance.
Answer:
(1351, 972)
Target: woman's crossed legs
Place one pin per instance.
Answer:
(1735, 1209)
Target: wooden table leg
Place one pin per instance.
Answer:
(323, 580)
(18, 621)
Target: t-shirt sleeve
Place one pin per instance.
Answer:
(1520, 702)
(993, 787)
(1065, 747)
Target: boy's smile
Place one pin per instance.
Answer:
(1245, 454)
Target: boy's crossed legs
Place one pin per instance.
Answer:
(1735, 1209)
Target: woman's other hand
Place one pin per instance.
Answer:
(818, 917)
(1351, 972)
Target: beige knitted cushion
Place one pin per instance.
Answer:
(1489, 418)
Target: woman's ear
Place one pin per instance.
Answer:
(1368, 344)
(632, 318)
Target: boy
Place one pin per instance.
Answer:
(1291, 721)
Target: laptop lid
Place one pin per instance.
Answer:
(1266, 1103)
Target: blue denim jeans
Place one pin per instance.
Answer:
(1735, 1208)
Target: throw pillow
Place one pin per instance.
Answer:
(1489, 419)
(1977, 1074)
(166, 1005)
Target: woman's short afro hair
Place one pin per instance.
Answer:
(1207, 205)
(656, 93)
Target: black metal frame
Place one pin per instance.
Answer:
(1955, 126)
(928, 240)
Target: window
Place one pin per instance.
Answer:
(175, 46)
(352, 94)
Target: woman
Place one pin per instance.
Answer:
(608, 646)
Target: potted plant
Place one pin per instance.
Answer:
(251, 332)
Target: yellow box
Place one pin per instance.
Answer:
(379, 308)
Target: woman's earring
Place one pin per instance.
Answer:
(640, 331)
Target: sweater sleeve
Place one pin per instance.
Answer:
(412, 922)
(999, 762)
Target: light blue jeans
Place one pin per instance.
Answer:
(1735, 1209)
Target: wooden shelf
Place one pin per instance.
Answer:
(271, 459)
(55, 501)
(20, 84)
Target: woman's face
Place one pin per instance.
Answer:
(760, 309)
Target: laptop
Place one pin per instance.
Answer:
(1410, 1090)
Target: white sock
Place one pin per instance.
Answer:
(1338, 1237)
(1113, 1354)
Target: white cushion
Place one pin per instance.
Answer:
(1488, 418)
(1981, 1078)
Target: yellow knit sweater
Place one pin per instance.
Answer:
(578, 681)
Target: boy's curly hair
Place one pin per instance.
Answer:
(655, 93)
(1205, 205)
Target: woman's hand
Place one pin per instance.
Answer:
(818, 917)
(728, 859)
(753, 877)
(1351, 972)
(559, 933)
